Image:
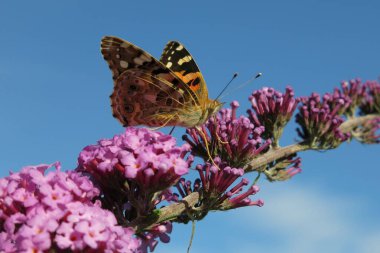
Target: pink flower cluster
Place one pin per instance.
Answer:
(134, 171)
(161, 231)
(148, 158)
(40, 213)
(355, 91)
(234, 139)
(371, 103)
(185, 188)
(273, 110)
(319, 120)
(283, 169)
(217, 186)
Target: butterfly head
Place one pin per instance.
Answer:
(212, 108)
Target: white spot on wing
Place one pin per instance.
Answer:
(169, 64)
(145, 57)
(118, 56)
(142, 58)
(179, 48)
(184, 59)
(138, 61)
(124, 64)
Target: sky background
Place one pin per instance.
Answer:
(54, 89)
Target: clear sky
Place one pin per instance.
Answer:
(54, 88)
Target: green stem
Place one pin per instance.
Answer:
(192, 235)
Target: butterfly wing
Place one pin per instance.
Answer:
(140, 98)
(122, 55)
(146, 92)
(176, 57)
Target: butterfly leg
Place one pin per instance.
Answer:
(220, 140)
(217, 135)
(206, 145)
(165, 124)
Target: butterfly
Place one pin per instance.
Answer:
(168, 92)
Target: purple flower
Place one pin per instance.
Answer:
(90, 227)
(236, 140)
(134, 171)
(355, 91)
(371, 102)
(185, 188)
(161, 231)
(55, 211)
(283, 169)
(216, 184)
(145, 157)
(319, 121)
(273, 110)
(37, 231)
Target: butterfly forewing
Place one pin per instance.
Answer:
(176, 57)
(122, 55)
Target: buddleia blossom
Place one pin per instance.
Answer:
(185, 187)
(137, 158)
(283, 169)
(234, 139)
(273, 110)
(371, 102)
(338, 102)
(134, 171)
(355, 91)
(55, 212)
(218, 188)
(147, 158)
(150, 238)
(319, 120)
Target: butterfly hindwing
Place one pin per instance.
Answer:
(179, 60)
(153, 100)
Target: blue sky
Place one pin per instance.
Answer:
(54, 88)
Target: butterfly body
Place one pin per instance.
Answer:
(170, 92)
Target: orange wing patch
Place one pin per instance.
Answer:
(193, 80)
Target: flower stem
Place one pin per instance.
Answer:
(171, 212)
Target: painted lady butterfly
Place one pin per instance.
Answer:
(169, 92)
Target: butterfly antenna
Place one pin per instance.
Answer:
(253, 78)
(225, 87)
